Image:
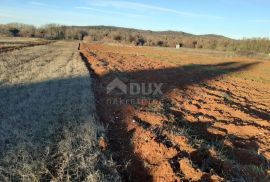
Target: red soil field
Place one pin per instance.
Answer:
(211, 122)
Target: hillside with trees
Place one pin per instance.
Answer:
(137, 37)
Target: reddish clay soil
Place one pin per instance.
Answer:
(211, 123)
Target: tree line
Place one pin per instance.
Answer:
(136, 37)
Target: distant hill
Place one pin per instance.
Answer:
(167, 32)
(155, 38)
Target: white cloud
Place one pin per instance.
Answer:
(37, 3)
(110, 12)
(6, 16)
(147, 7)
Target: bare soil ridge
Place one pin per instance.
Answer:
(211, 123)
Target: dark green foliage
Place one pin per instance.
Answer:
(160, 43)
(14, 31)
(117, 37)
(140, 41)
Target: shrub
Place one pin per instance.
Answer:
(117, 37)
(140, 41)
(14, 31)
(160, 43)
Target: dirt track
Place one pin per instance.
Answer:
(210, 124)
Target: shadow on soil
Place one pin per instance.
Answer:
(131, 167)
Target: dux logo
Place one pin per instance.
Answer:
(117, 84)
(134, 88)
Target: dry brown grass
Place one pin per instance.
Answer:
(13, 43)
(48, 126)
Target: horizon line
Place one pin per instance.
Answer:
(140, 29)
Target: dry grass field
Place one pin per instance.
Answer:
(58, 122)
(13, 43)
(210, 123)
(48, 126)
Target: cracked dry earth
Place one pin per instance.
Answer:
(210, 124)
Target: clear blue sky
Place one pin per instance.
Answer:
(233, 18)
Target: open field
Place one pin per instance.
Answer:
(209, 123)
(48, 126)
(13, 43)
